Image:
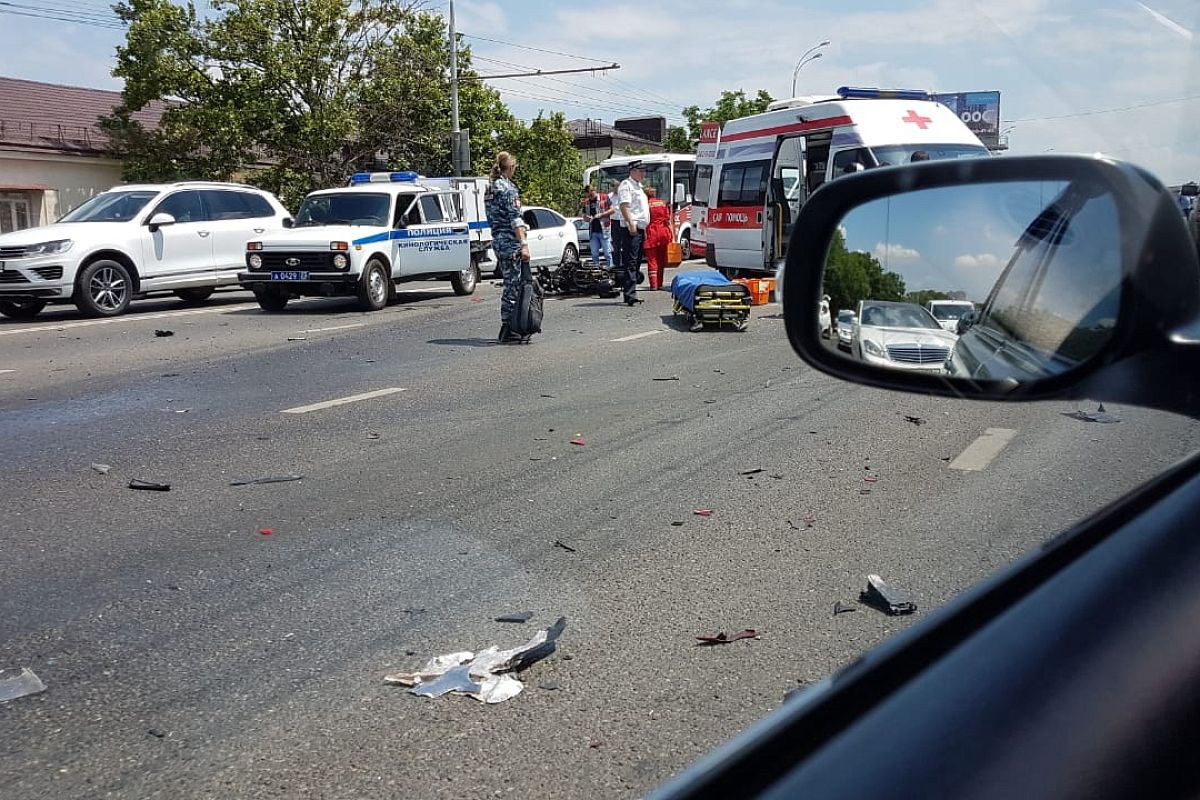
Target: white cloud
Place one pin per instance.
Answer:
(481, 19)
(982, 261)
(895, 252)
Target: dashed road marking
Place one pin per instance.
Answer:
(983, 450)
(639, 336)
(51, 327)
(341, 401)
(335, 328)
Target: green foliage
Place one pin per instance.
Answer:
(677, 141)
(854, 276)
(925, 295)
(548, 165)
(301, 93)
(636, 150)
(730, 105)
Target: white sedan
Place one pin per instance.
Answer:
(845, 328)
(553, 239)
(901, 336)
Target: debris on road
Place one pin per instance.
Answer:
(703, 512)
(751, 471)
(476, 299)
(726, 638)
(808, 521)
(548, 396)
(864, 491)
(22, 684)
(521, 617)
(103, 469)
(564, 546)
(272, 479)
(914, 420)
(486, 675)
(671, 378)
(266, 531)
(161, 334)
(1099, 415)
(887, 599)
(579, 442)
(297, 338)
(149, 486)
(871, 478)
(372, 436)
(677, 524)
(843, 608)
(550, 686)
(156, 733)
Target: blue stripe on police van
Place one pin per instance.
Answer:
(428, 233)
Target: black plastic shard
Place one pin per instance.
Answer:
(149, 486)
(842, 608)
(887, 599)
(272, 479)
(520, 617)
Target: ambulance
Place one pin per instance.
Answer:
(763, 167)
(671, 175)
(363, 239)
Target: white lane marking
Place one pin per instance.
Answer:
(52, 328)
(639, 336)
(6, 371)
(983, 450)
(341, 401)
(335, 328)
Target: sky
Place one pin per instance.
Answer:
(1112, 76)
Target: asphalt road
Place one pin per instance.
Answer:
(187, 655)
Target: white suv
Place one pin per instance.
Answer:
(187, 238)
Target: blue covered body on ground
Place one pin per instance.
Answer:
(686, 284)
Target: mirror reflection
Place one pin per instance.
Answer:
(997, 281)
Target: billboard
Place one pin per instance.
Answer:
(710, 136)
(980, 111)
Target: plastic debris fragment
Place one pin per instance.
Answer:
(703, 512)
(564, 546)
(886, 598)
(101, 468)
(726, 638)
(21, 684)
(161, 334)
(668, 378)
(483, 676)
(914, 420)
(266, 531)
(1094, 416)
(149, 486)
(842, 608)
(520, 617)
(273, 479)
(751, 471)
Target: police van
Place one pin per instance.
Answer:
(361, 240)
(750, 190)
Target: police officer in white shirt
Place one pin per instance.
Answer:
(629, 229)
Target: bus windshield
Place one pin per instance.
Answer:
(657, 175)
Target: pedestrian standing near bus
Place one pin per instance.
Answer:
(629, 228)
(659, 233)
(503, 203)
(598, 241)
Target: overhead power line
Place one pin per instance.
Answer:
(1107, 110)
(534, 49)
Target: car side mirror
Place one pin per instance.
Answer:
(289, 222)
(1091, 280)
(965, 323)
(159, 220)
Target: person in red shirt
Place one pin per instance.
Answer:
(659, 233)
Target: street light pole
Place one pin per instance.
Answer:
(804, 59)
(455, 130)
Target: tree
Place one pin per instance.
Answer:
(549, 169)
(925, 295)
(851, 276)
(677, 141)
(305, 92)
(730, 105)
